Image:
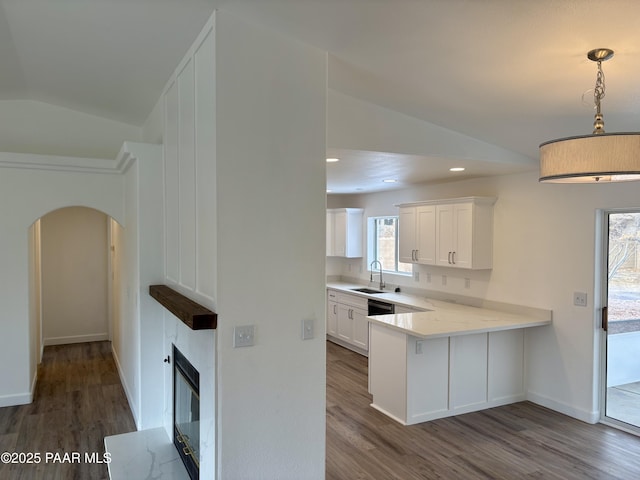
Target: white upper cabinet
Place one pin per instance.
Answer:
(417, 234)
(344, 232)
(454, 233)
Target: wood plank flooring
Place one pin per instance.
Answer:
(78, 401)
(518, 441)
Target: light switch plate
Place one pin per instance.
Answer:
(243, 336)
(307, 329)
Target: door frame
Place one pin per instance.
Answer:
(601, 297)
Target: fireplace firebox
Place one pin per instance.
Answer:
(186, 412)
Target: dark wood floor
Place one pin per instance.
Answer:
(519, 441)
(78, 401)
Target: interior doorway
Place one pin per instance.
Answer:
(621, 321)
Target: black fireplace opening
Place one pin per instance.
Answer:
(186, 412)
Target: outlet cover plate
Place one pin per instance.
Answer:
(580, 299)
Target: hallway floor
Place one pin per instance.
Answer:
(78, 401)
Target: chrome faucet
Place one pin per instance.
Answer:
(380, 272)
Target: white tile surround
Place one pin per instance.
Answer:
(148, 454)
(198, 346)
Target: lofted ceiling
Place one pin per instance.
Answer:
(511, 73)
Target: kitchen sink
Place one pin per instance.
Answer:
(367, 290)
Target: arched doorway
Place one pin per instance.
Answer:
(74, 266)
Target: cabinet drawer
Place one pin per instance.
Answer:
(353, 300)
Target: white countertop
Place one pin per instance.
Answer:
(412, 301)
(444, 319)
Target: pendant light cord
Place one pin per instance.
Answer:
(598, 95)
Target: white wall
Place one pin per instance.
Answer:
(35, 127)
(244, 138)
(26, 194)
(358, 125)
(137, 262)
(74, 276)
(544, 250)
(118, 319)
(271, 97)
(142, 264)
(35, 298)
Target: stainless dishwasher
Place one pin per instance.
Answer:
(378, 307)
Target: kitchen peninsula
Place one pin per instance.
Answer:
(435, 358)
(451, 360)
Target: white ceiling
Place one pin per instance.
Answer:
(509, 72)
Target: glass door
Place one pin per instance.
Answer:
(621, 320)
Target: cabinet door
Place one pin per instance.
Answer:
(332, 318)
(330, 234)
(345, 323)
(340, 234)
(444, 238)
(426, 234)
(462, 235)
(407, 234)
(468, 370)
(360, 328)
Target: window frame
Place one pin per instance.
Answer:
(373, 243)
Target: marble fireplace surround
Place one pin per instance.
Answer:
(151, 453)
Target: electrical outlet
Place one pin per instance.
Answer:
(428, 277)
(419, 347)
(416, 276)
(467, 283)
(243, 336)
(580, 299)
(307, 329)
(444, 280)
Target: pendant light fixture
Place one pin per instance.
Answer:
(599, 157)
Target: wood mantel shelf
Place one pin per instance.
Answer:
(192, 314)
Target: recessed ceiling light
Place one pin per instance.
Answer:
(457, 169)
(332, 160)
(329, 190)
(389, 180)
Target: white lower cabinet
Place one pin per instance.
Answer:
(347, 322)
(468, 366)
(332, 313)
(415, 380)
(360, 328)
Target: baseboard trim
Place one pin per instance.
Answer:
(569, 410)
(13, 400)
(127, 391)
(94, 337)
